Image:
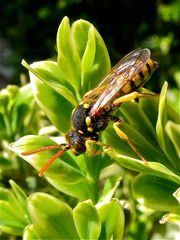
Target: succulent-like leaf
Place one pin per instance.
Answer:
(155, 193)
(109, 189)
(57, 108)
(95, 62)
(171, 218)
(68, 58)
(29, 233)
(87, 220)
(49, 72)
(13, 219)
(64, 174)
(152, 168)
(51, 218)
(23, 104)
(112, 219)
(172, 130)
(20, 195)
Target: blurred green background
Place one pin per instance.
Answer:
(28, 30)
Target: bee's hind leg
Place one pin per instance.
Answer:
(124, 136)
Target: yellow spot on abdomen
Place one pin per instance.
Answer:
(151, 64)
(127, 88)
(137, 80)
(145, 72)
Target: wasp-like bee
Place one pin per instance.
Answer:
(92, 115)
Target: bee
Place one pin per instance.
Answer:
(93, 113)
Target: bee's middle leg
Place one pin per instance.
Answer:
(93, 152)
(131, 96)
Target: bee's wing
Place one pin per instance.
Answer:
(125, 69)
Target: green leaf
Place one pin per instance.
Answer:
(51, 218)
(129, 213)
(8, 197)
(150, 108)
(13, 220)
(155, 193)
(29, 233)
(20, 195)
(141, 121)
(87, 220)
(109, 189)
(10, 217)
(82, 55)
(93, 54)
(144, 144)
(57, 108)
(68, 58)
(171, 218)
(23, 104)
(83, 39)
(88, 59)
(12, 230)
(162, 137)
(82, 62)
(112, 219)
(173, 132)
(64, 174)
(15, 103)
(7, 98)
(152, 168)
(49, 72)
(176, 194)
(140, 129)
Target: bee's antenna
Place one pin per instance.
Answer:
(41, 149)
(50, 161)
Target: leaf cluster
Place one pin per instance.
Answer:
(58, 86)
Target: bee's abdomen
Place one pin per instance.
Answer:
(140, 78)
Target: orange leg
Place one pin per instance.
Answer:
(50, 161)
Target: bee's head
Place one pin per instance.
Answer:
(76, 142)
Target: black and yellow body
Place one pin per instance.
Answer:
(140, 78)
(92, 115)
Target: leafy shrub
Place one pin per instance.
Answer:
(100, 213)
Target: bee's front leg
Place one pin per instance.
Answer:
(92, 150)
